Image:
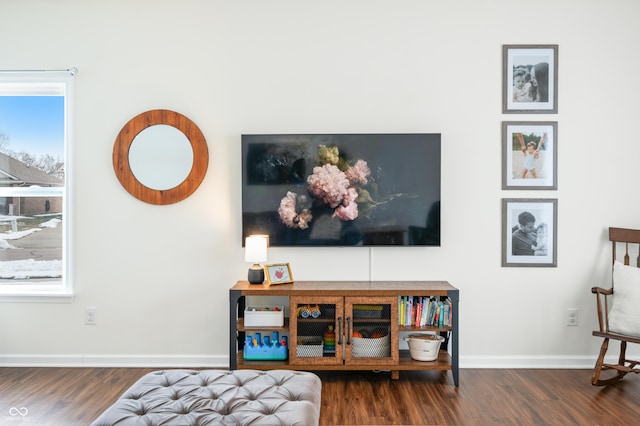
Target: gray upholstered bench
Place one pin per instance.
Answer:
(218, 397)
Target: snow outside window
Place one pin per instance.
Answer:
(34, 187)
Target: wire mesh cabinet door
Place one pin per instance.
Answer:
(371, 333)
(315, 329)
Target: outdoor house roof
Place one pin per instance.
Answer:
(16, 173)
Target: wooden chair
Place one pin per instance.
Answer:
(618, 237)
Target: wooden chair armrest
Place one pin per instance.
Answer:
(600, 290)
(602, 306)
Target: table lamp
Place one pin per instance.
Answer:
(255, 251)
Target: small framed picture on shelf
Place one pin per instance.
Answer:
(278, 273)
(530, 79)
(529, 232)
(529, 155)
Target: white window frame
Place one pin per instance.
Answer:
(20, 84)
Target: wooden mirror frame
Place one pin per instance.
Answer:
(123, 168)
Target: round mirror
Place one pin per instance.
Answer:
(160, 157)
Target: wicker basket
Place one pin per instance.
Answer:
(309, 347)
(377, 347)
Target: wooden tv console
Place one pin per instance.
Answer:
(348, 306)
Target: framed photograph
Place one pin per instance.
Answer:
(529, 155)
(529, 232)
(530, 79)
(278, 273)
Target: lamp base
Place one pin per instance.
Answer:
(256, 274)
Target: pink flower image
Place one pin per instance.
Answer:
(290, 216)
(348, 210)
(359, 172)
(328, 185)
(332, 183)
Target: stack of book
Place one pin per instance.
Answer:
(422, 311)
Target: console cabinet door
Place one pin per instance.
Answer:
(371, 333)
(312, 320)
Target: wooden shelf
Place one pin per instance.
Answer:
(347, 288)
(284, 328)
(344, 295)
(443, 362)
(406, 363)
(425, 329)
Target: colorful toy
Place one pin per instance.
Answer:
(307, 311)
(267, 348)
(329, 339)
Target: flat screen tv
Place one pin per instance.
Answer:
(342, 189)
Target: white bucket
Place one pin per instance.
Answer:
(424, 347)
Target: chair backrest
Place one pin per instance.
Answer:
(622, 322)
(622, 236)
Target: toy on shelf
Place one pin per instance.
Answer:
(261, 316)
(307, 311)
(329, 340)
(258, 348)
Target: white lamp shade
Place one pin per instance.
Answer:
(255, 248)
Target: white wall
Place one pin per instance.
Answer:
(159, 275)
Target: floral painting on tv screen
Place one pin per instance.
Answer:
(342, 189)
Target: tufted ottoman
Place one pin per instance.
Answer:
(218, 397)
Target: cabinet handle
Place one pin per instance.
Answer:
(339, 330)
(348, 330)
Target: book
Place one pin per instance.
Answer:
(409, 310)
(425, 311)
(418, 312)
(432, 311)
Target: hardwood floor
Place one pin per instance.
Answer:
(76, 396)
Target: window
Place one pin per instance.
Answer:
(34, 187)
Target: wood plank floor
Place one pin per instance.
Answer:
(76, 396)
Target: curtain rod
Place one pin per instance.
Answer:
(72, 71)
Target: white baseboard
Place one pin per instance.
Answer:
(220, 361)
(547, 361)
(133, 361)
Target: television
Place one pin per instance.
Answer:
(342, 189)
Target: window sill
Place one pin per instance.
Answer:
(36, 297)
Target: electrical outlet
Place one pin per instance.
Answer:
(572, 317)
(90, 316)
